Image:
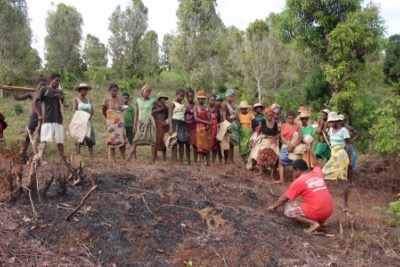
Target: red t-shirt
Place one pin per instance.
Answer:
(317, 202)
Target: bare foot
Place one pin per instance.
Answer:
(312, 228)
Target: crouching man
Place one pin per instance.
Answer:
(317, 204)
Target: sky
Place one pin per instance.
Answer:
(162, 15)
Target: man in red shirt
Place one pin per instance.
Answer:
(317, 204)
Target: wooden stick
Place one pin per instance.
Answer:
(81, 204)
(17, 88)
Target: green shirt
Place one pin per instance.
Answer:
(307, 130)
(145, 107)
(128, 116)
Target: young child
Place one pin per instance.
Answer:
(128, 117)
(191, 125)
(176, 121)
(228, 113)
(215, 120)
(203, 124)
(308, 132)
(160, 114)
(246, 121)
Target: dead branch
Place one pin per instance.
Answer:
(81, 204)
(109, 223)
(46, 187)
(144, 200)
(30, 198)
(219, 256)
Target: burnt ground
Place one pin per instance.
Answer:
(167, 214)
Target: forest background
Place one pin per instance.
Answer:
(320, 53)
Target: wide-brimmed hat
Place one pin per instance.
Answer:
(244, 104)
(304, 114)
(341, 117)
(333, 116)
(229, 92)
(170, 139)
(326, 111)
(162, 95)
(258, 105)
(218, 98)
(201, 94)
(83, 86)
(303, 109)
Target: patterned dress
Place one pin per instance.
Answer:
(116, 136)
(160, 113)
(190, 123)
(203, 136)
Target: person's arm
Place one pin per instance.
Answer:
(299, 139)
(156, 109)
(75, 104)
(170, 111)
(223, 112)
(281, 201)
(258, 128)
(21, 97)
(314, 160)
(136, 116)
(356, 133)
(283, 138)
(197, 119)
(37, 105)
(91, 110)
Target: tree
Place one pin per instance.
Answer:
(149, 47)
(166, 50)
(127, 30)
(62, 43)
(342, 34)
(391, 66)
(95, 52)
(18, 60)
(199, 51)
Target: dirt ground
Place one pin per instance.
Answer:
(167, 214)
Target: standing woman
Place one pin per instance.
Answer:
(160, 114)
(337, 166)
(228, 112)
(191, 125)
(215, 120)
(203, 123)
(268, 151)
(144, 124)
(307, 132)
(291, 138)
(112, 109)
(176, 121)
(82, 103)
(246, 122)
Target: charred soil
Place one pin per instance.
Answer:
(166, 214)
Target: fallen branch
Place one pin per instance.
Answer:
(30, 198)
(109, 223)
(81, 204)
(144, 200)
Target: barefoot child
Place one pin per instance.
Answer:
(160, 114)
(203, 123)
(176, 121)
(191, 126)
(215, 120)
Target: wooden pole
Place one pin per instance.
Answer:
(17, 88)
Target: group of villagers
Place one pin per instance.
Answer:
(211, 127)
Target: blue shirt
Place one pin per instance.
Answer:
(338, 139)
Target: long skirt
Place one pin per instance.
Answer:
(145, 132)
(322, 150)
(191, 129)
(337, 166)
(268, 152)
(203, 139)
(244, 144)
(235, 133)
(115, 129)
(162, 127)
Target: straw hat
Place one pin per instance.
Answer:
(258, 105)
(333, 116)
(303, 109)
(161, 95)
(82, 86)
(170, 139)
(304, 114)
(201, 94)
(244, 104)
(326, 111)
